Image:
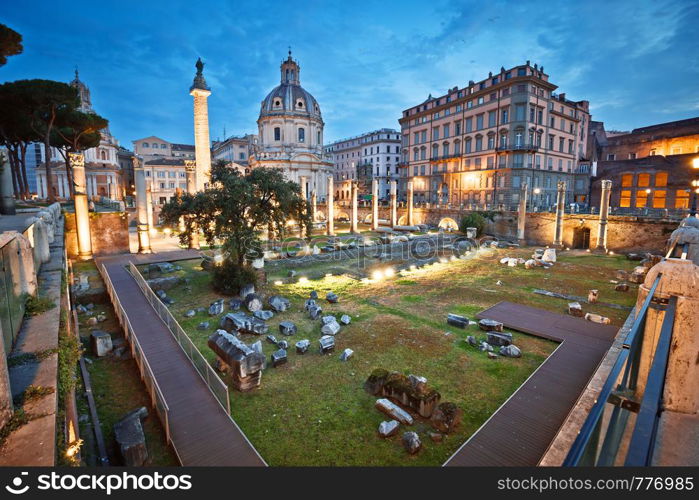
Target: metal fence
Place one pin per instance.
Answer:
(217, 387)
(599, 442)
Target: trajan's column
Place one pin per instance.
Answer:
(201, 92)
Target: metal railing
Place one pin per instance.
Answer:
(217, 387)
(156, 395)
(600, 438)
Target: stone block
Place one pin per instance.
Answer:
(100, 342)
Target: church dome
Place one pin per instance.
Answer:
(290, 98)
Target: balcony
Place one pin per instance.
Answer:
(518, 147)
(440, 158)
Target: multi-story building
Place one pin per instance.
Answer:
(374, 155)
(664, 139)
(477, 145)
(234, 149)
(125, 159)
(165, 177)
(152, 147)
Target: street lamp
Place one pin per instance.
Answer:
(537, 192)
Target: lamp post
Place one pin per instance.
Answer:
(535, 201)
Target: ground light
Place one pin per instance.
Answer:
(377, 275)
(218, 258)
(303, 280)
(389, 272)
(278, 282)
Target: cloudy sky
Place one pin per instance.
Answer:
(364, 61)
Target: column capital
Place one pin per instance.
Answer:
(190, 165)
(606, 184)
(561, 185)
(77, 160)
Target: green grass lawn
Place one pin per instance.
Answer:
(314, 411)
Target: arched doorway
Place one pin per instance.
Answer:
(449, 224)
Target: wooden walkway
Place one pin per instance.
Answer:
(201, 430)
(521, 430)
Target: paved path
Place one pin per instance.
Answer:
(521, 430)
(202, 432)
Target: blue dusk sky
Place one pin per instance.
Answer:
(364, 61)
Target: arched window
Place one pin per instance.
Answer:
(277, 134)
(491, 141)
(302, 134)
(423, 153)
(103, 154)
(416, 154)
(518, 138)
(479, 143)
(145, 144)
(318, 138)
(457, 147)
(503, 141)
(445, 149)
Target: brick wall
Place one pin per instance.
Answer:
(109, 233)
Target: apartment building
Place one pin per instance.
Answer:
(234, 149)
(372, 155)
(477, 145)
(152, 147)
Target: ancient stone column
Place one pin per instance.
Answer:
(149, 206)
(522, 214)
(374, 204)
(314, 205)
(394, 208)
(560, 210)
(190, 168)
(330, 208)
(202, 152)
(7, 204)
(353, 217)
(603, 217)
(411, 220)
(82, 211)
(142, 202)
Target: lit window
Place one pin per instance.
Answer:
(627, 180)
(661, 179)
(659, 198)
(641, 198)
(682, 198)
(625, 199)
(643, 180)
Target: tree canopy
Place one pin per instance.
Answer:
(237, 208)
(10, 43)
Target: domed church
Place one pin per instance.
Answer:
(291, 133)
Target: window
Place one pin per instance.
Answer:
(643, 180)
(561, 143)
(661, 179)
(277, 134)
(682, 198)
(521, 71)
(551, 139)
(435, 151)
(435, 133)
(653, 152)
(162, 146)
(171, 185)
(457, 148)
(479, 122)
(625, 198)
(627, 180)
(676, 150)
(302, 134)
(632, 156)
(469, 124)
(659, 198)
(467, 145)
(520, 111)
(641, 198)
(505, 115)
(445, 149)
(457, 128)
(491, 141)
(161, 174)
(611, 157)
(503, 141)
(445, 131)
(492, 118)
(415, 155)
(479, 143)
(423, 136)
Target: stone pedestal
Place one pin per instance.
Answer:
(560, 210)
(330, 205)
(601, 246)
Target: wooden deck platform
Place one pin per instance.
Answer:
(521, 430)
(202, 432)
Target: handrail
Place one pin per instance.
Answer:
(147, 375)
(204, 369)
(645, 431)
(631, 344)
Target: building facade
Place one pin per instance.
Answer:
(478, 145)
(373, 155)
(152, 147)
(234, 149)
(664, 139)
(102, 169)
(290, 132)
